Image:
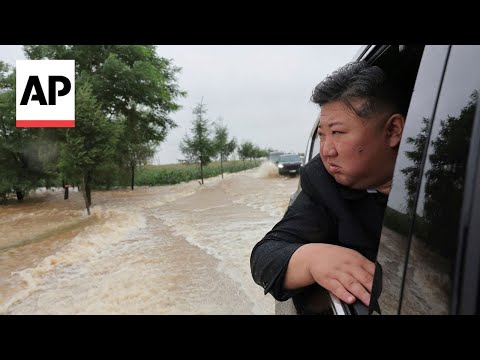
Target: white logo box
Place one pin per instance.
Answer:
(43, 85)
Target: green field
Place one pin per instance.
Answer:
(151, 175)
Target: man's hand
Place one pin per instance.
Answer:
(343, 271)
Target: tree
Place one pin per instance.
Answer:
(21, 164)
(133, 86)
(89, 145)
(223, 146)
(246, 151)
(198, 148)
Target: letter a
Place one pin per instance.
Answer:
(33, 82)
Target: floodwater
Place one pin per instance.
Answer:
(179, 249)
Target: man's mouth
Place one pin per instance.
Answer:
(333, 168)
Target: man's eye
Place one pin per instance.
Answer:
(337, 132)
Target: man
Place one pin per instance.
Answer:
(329, 235)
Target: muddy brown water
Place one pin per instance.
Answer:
(180, 249)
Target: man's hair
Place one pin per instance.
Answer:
(360, 80)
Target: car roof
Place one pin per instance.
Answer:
(362, 52)
(288, 155)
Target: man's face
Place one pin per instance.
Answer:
(355, 151)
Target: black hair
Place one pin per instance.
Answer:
(360, 80)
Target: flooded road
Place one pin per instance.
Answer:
(179, 249)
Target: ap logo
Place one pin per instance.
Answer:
(45, 93)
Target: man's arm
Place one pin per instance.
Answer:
(343, 271)
(304, 222)
(303, 249)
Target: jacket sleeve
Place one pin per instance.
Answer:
(304, 222)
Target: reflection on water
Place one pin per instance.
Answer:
(181, 249)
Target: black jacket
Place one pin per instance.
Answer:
(323, 212)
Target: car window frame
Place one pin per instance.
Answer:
(466, 286)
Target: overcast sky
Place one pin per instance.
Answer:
(262, 92)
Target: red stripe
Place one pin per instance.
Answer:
(46, 123)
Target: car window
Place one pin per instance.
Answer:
(290, 158)
(315, 145)
(394, 241)
(273, 157)
(429, 275)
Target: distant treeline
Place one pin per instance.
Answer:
(209, 141)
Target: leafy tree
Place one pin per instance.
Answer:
(89, 145)
(7, 117)
(259, 153)
(264, 153)
(199, 148)
(245, 151)
(223, 146)
(21, 161)
(133, 86)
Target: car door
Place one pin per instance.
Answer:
(435, 260)
(466, 284)
(398, 218)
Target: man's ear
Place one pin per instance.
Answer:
(394, 129)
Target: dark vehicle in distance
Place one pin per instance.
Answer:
(289, 164)
(428, 260)
(274, 156)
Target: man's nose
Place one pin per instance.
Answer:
(328, 148)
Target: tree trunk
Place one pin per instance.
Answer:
(244, 169)
(20, 195)
(221, 164)
(201, 171)
(65, 188)
(133, 177)
(87, 193)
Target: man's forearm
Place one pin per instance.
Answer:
(298, 273)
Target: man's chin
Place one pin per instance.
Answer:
(339, 178)
(343, 180)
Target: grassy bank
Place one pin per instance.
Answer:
(151, 175)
